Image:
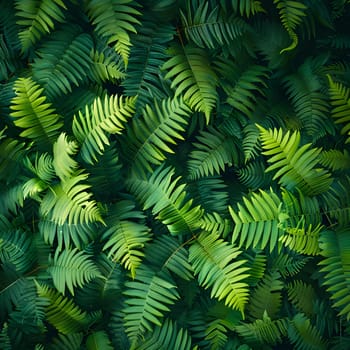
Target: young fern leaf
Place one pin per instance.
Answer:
(37, 18)
(126, 235)
(340, 100)
(70, 269)
(114, 20)
(190, 73)
(167, 198)
(257, 223)
(291, 14)
(149, 138)
(213, 151)
(210, 29)
(63, 313)
(31, 113)
(148, 299)
(217, 266)
(335, 248)
(296, 166)
(102, 118)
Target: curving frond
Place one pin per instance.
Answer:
(168, 200)
(217, 224)
(67, 341)
(31, 112)
(295, 166)
(302, 295)
(149, 138)
(63, 60)
(217, 266)
(335, 248)
(37, 18)
(70, 269)
(149, 296)
(257, 221)
(190, 73)
(253, 175)
(212, 153)
(114, 20)
(98, 340)
(93, 126)
(126, 235)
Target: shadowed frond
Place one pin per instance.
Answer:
(253, 175)
(191, 75)
(98, 340)
(67, 341)
(302, 296)
(217, 266)
(247, 7)
(335, 159)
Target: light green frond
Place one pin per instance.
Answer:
(291, 14)
(62, 313)
(302, 296)
(191, 75)
(114, 20)
(31, 112)
(63, 60)
(37, 18)
(335, 249)
(340, 100)
(126, 235)
(150, 137)
(70, 269)
(257, 221)
(335, 159)
(212, 153)
(168, 200)
(217, 224)
(93, 126)
(148, 299)
(217, 266)
(304, 335)
(98, 340)
(294, 165)
(211, 28)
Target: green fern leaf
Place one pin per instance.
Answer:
(335, 248)
(296, 166)
(257, 222)
(340, 101)
(190, 73)
(247, 7)
(5, 341)
(67, 341)
(98, 341)
(291, 14)
(215, 223)
(62, 61)
(302, 296)
(167, 199)
(215, 263)
(31, 113)
(335, 159)
(290, 263)
(253, 175)
(63, 313)
(114, 20)
(37, 18)
(148, 298)
(125, 237)
(150, 137)
(102, 118)
(212, 152)
(71, 268)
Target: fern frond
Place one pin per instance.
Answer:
(340, 100)
(63, 313)
(290, 264)
(102, 118)
(247, 7)
(167, 198)
(210, 28)
(67, 341)
(70, 269)
(190, 73)
(216, 265)
(250, 142)
(335, 248)
(257, 222)
(149, 296)
(304, 335)
(335, 159)
(31, 113)
(98, 340)
(215, 223)
(114, 20)
(37, 18)
(62, 61)
(213, 151)
(296, 166)
(126, 235)
(149, 138)
(302, 296)
(253, 175)
(291, 14)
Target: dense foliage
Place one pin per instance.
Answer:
(174, 174)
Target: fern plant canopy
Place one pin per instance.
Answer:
(174, 174)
